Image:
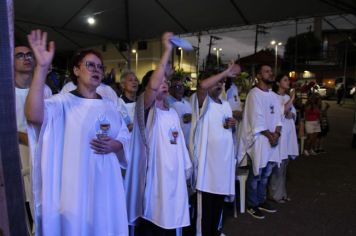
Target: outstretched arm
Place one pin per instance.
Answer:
(204, 85)
(34, 107)
(158, 76)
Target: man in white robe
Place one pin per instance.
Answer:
(258, 137)
(24, 66)
(181, 105)
(212, 150)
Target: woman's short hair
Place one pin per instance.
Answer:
(125, 74)
(78, 58)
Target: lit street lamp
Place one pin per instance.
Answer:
(217, 54)
(136, 54)
(273, 42)
(181, 57)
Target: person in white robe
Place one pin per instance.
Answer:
(182, 106)
(103, 90)
(24, 66)
(257, 140)
(127, 100)
(82, 141)
(155, 181)
(212, 150)
(232, 96)
(288, 146)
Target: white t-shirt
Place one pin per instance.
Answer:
(21, 95)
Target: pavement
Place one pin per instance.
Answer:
(322, 189)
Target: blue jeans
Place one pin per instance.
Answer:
(257, 185)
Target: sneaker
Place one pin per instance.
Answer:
(313, 153)
(267, 208)
(306, 153)
(255, 212)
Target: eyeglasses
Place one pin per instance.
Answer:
(177, 86)
(22, 55)
(91, 67)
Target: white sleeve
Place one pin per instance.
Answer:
(47, 92)
(70, 86)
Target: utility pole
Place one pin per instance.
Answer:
(260, 29)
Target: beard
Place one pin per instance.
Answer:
(268, 81)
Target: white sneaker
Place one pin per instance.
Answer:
(313, 153)
(306, 153)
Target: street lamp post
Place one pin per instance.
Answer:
(218, 50)
(136, 59)
(273, 42)
(181, 57)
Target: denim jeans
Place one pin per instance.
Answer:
(257, 185)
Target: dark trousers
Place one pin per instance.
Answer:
(211, 206)
(147, 228)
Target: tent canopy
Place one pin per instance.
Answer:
(130, 20)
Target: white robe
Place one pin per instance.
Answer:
(262, 112)
(103, 90)
(182, 107)
(21, 95)
(127, 110)
(232, 96)
(76, 191)
(212, 148)
(166, 195)
(155, 180)
(288, 141)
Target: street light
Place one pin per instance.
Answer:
(136, 54)
(217, 54)
(273, 42)
(181, 57)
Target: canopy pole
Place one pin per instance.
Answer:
(12, 203)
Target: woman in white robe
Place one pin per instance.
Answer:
(77, 183)
(288, 146)
(155, 181)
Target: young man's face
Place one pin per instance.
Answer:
(266, 75)
(24, 60)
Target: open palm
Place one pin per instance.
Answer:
(38, 42)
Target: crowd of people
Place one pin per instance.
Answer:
(151, 161)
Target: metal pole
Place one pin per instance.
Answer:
(12, 203)
(275, 60)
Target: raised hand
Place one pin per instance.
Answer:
(292, 94)
(38, 42)
(233, 69)
(166, 41)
